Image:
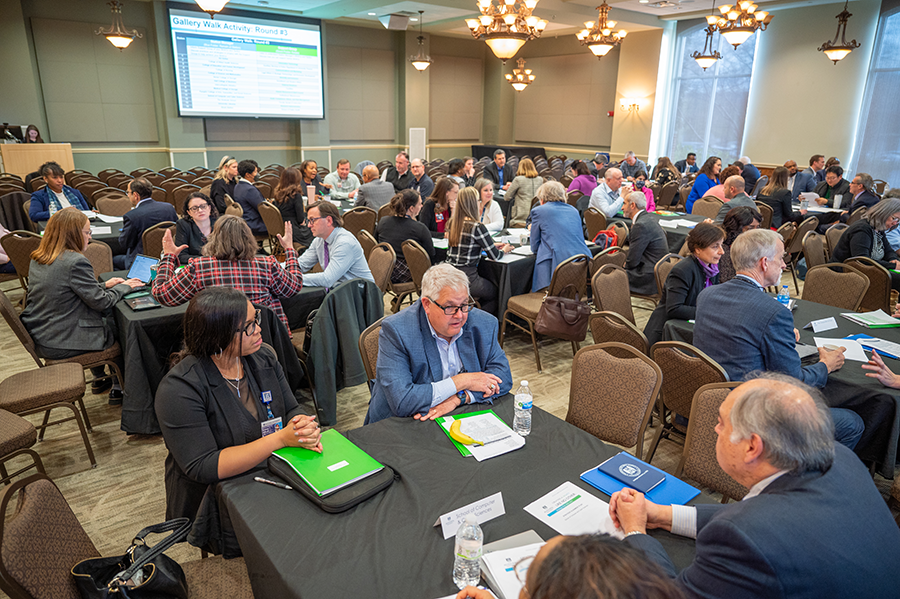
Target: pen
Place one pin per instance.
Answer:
(259, 479)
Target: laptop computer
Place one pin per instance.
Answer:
(140, 268)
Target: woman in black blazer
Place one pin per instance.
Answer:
(687, 279)
(867, 238)
(195, 225)
(223, 408)
(289, 194)
(401, 225)
(777, 196)
(226, 179)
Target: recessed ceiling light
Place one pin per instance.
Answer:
(371, 14)
(644, 1)
(413, 19)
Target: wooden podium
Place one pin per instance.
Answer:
(21, 159)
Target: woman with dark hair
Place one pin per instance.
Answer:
(32, 135)
(640, 184)
(718, 191)
(456, 170)
(687, 279)
(68, 312)
(738, 220)
(230, 260)
(665, 171)
(195, 225)
(584, 181)
(223, 408)
(55, 196)
(401, 225)
(706, 178)
(777, 196)
(309, 172)
(522, 192)
(436, 211)
(289, 200)
(867, 237)
(223, 183)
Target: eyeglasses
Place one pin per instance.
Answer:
(199, 208)
(251, 326)
(521, 570)
(310, 220)
(452, 310)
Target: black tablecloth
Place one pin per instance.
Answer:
(482, 151)
(676, 237)
(848, 387)
(386, 546)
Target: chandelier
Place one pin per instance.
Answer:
(833, 50)
(117, 35)
(420, 61)
(211, 6)
(506, 27)
(599, 37)
(521, 77)
(738, 23)
(709, 55)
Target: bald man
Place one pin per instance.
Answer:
(812, 524)
(735, 196)
(374, 192)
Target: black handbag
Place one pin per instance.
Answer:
(142, 573)
(563, 317)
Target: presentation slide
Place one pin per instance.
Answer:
(241, 66)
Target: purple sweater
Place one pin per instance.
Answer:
(583, 183)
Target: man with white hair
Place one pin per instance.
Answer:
(750, 173)
(812, 524)
(745, 329)
(631, 166)
(606, 196)
(646, 246)
(438, 354)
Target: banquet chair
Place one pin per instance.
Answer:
(698, 461)
(794, 248)
(609, 327)
(17, 437)
(572, 198)
(766, 211)
(367, 241)
(359, 218)
(151, 239)
(878, 295)
(611, 394)
(264, 188)
(760, 183)
(168, 171)
(368, 348)
(835, 284)
(18, 245)
(621, 231)
(272, 219)
(180, 194)
(105, 174)
(381, 264)
(667, 195)
(100, 256)
(611, 291)
(707, 206)
(814, 249)
(594, 222)
(833, 235)
(113, 205)
(382, 212)
(685, 369)
(611, 255)
(856, 215)
(417, 260)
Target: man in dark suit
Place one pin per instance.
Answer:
(499, 173)
(816, 167)
(745, 329)
(812, 525)
(145, 213)
(861, 193)
(834, 191)
(646, 245)
(688, 165)
(439, 353)
(399, 175)
(249, 197)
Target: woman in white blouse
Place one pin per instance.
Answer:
(491, 214)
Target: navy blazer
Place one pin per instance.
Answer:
(409, 361)
(805, 536)
(39, 209)
(745, 329)
(866, 198)
(556, 236)
(147, 213)
(646, 246)
(249, 198)
(491, 173)
(803, 181)
(679, 296)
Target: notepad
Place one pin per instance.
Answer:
(670, 491)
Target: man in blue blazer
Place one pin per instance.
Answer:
(745, 329)
(146, 213)
(437, 354)
(498, 172)
(249, 197)
(812, 525)
(556, 233)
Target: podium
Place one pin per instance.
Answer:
(21, 159)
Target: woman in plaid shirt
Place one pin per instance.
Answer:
(467, 238)
(230, 260)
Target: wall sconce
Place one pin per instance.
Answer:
(630, 104)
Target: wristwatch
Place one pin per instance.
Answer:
(463, 397)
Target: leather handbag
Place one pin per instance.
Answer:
(142, 573)
(563, 317)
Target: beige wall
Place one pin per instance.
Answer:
(631, 130)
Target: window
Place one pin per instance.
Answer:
(877, 148)
(710, 106)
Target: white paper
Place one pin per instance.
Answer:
(483, 510)
(873, 318)
(108, 219)
(569, 510)
(668, 224)
(510, 441)
(523, 250)
(824, 324)
(685, 222)
(838, 197)
(821, 209)
(101, 230)
(854, 349)
(511, 257)
(89, 213)
(501, 565)
(335, 202)
(441, 243)
(517, 232)
(883, 347)
(809, 196)
(507, 239)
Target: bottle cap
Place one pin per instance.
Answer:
(471, 520)
(525, 383)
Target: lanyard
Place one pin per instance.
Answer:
(266, 399)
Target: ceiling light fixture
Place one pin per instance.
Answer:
(521, 77)
(506, 27)
(739, 22)
(833, 50)
(211, 6)
(117, 35)
(599, 36)
(709, 55)
(421, 60)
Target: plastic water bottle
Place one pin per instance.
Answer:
(522, 420)
(784, 296)
(466, 565)
(804, 204)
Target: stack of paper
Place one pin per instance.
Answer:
(441, 243)
(884, 348)
(486, 426)
(569, 510)
(873, 320)
(498, 568)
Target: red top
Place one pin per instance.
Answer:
(441, 219)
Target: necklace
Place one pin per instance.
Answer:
(234, 383)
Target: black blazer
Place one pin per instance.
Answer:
(140, 218)
(397, 229)
(646, 246)
(866, 198)
(217, 190)
(188, 233)
(490, 172)
(842, 189)
(292, 212)
(859, 240)
(679, 297)
(426, 217)
(782, 208)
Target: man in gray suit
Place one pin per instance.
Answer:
(734, 193)
(646, 245)
(374, 192)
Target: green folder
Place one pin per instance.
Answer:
(449, 419)
(340, 464)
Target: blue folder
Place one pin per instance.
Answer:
(670, 491)
(862, 341)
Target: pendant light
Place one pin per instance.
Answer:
(117, 35)
(833, 50)
(421, 61)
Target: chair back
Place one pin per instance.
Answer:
(796, 244)
(155, 179)
(835, 284)
(271, 217)
(169, 185)
(667, 194)
(572, 271)
(760, 183)
(786, 231)
(767, 214)
(264, 188)
(233, 209)
(14, 211)
(610, 396)
(382, 212)
(417, 260)
(42, 524)
(608, 327)
(180, 194)
(698, 461)
(814, 249)
(120, 180)
(381, 264)
(152, 238)
(662, 269)
(611, 255)
(113, 205)
(168, 171)
(15, 323)
(141, 172)
(18, 245)
(685, 369)
(572, 198)
(105, 174)
(833, 235)
(87, 189)
(707, 206)
(359, 218)
(100, 256)
(368, 348)
(683, 193)
(878, 296)
(621, 231)
(611, 291)
(367, 241)
(594, 222)
(856, 215)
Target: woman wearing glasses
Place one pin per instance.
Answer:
(223, 408)
(195, 225)
(229, 259)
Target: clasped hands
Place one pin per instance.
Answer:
(302, 431)
(480, 382)
(632, 512)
